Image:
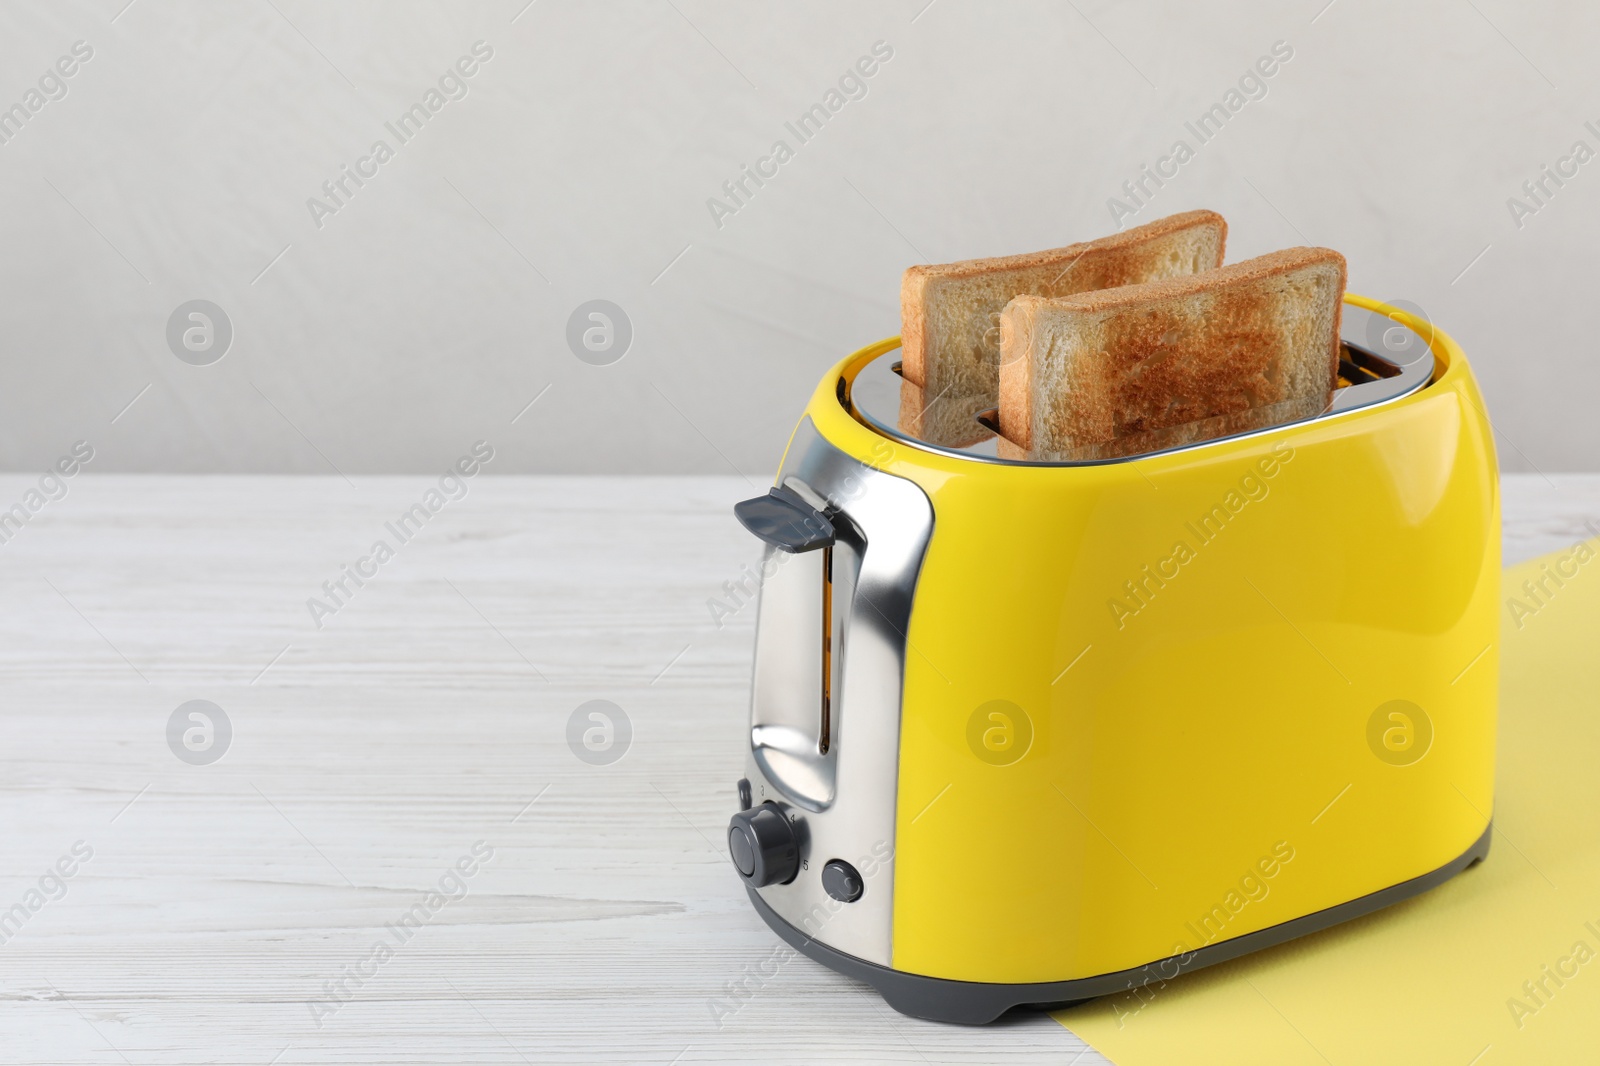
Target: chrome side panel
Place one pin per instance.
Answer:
(845, 796)
(786, 687)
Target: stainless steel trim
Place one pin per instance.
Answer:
(786, 685)
(874, 397)
(846, 797)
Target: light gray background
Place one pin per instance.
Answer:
(429, 311)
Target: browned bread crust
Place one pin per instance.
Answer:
(1203, 350)
(949, 333)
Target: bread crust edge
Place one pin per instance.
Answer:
(916, 281)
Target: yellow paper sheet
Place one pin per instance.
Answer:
(1459, 975)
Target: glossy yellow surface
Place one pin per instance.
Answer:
(1203, 760)
(1497, 967)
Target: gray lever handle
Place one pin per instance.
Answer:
(786, 521)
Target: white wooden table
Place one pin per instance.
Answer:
(368, 756)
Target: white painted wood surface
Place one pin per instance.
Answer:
(369, 755)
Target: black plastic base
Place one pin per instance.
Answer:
(977, 1003)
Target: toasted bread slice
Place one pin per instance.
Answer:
(1217, 352)
(950, 313)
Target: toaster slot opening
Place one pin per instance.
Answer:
(825, 731)
(1360, 367)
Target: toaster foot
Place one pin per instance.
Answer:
(978, 1003)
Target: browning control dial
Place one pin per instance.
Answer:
(764, 846)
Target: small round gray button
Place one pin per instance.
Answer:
(841, 881)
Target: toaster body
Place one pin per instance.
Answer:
(1030, 733)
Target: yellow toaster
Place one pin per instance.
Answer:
(1027, 733)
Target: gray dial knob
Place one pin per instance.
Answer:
(764, 846)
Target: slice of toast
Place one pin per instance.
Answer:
(950, 313)
(1217, 352)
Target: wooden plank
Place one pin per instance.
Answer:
(369, 755)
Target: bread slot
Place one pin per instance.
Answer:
(1359, 369)
(1234, 424)
(1357, 366)
(825, 730)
